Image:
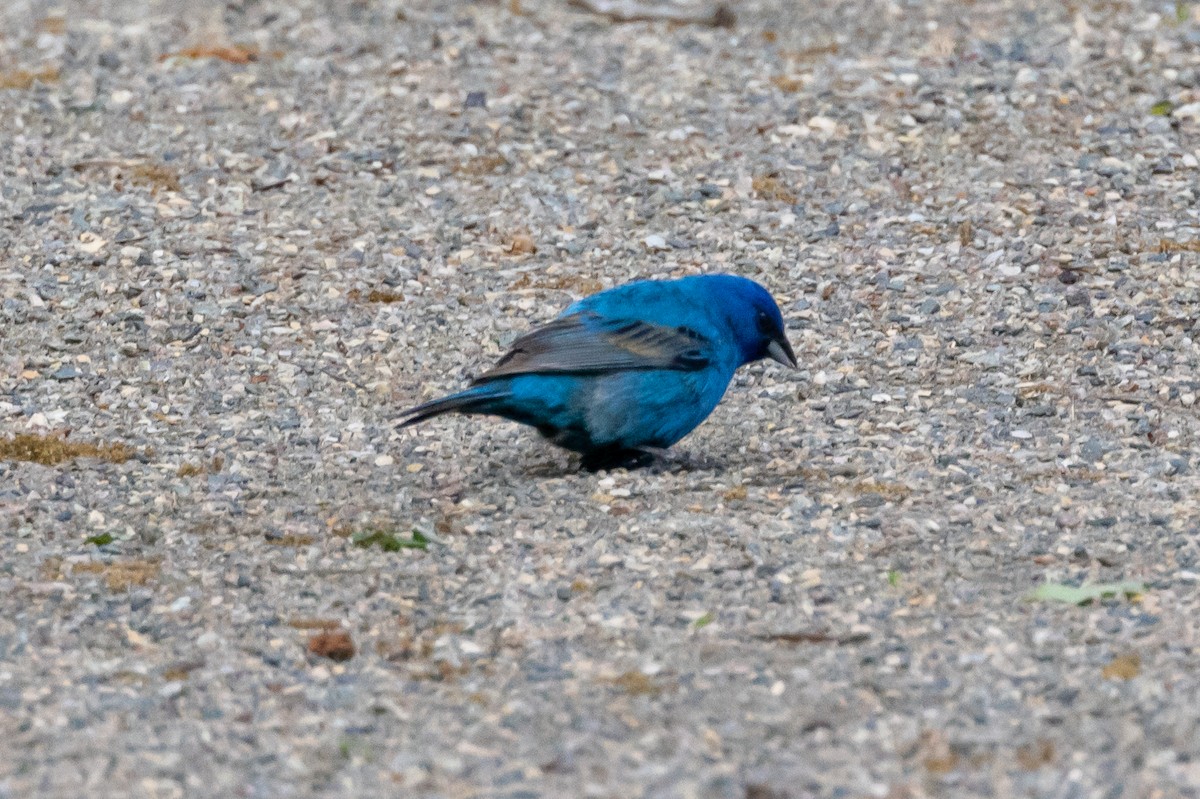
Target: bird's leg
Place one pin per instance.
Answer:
(658, 453)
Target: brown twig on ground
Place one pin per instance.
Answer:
(721, 16)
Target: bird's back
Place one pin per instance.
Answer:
(686, 302)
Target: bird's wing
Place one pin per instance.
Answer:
(588, 343)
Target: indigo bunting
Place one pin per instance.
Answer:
(631, 370)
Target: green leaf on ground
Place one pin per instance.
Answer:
(1087, 593)
(99, 540)
(893, 577)
(1162, 108)
(704, 621)
(389, 542)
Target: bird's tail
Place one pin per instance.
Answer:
(477, 399)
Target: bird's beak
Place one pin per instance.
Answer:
(780, 350)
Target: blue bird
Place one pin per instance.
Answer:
(628, 371)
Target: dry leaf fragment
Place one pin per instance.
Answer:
(937, 754)
(1122, 667)
(578, 285)
(809, 53)
(737, 492)
(1035, 755)
(384, 296)
(314, 624)
(120, 575)
(637, 683)
(290, 540)
(179, 671)
(816, 637)
(156, 176)
(482, 165)
(769, 187)
(337, 645)
(234, 54)
(193, 469)
(1167, 245)
(53, 450)
(787, 83)
(123, 575)
(24, 78)
(520, 244)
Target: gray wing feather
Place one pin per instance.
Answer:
(587, 343)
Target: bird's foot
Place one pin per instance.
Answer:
(659, 459)
(618, 457)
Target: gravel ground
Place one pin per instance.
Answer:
(238, 237)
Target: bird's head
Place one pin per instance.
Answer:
(754, 319)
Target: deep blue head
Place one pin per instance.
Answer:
(752, 315)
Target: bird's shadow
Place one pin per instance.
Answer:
(651, 463)
(685, 463)
(670, 461)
